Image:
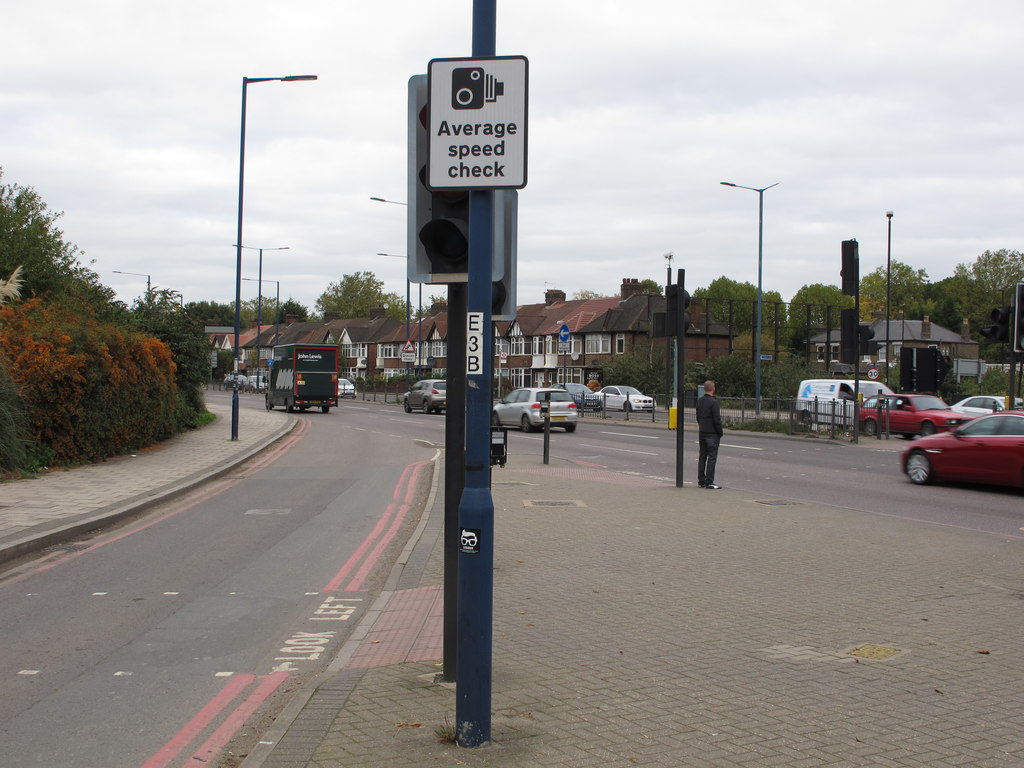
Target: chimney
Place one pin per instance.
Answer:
(439, 305)
(965, 330)
(630, 287)
(553, 296)
(376, 312)
(330, 317)
(926, 327)
(290, 319)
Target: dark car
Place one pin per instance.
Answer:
(909, 415)
(428, 395)
(989, 449)
(584, 397)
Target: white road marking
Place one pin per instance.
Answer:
(630, 434)
(623, 450)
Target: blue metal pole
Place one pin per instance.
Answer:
(476, 508)
(760, 294)
(238, 268)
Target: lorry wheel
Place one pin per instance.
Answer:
(289, 408)
(270, 405)
(325, 408)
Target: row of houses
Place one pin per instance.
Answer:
(527, 350)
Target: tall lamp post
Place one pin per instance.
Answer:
(149, 282)
(888, 283)
(408, 295)
(760, 260)
(238, 238)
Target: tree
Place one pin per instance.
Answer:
(812, 309)
(211, 312)
(984, 285)
(648, 285)
(586, 293)
(907, 291)
(355, 295)
(50, 267)
(743, 297)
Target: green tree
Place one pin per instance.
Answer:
(211, 312)
(724, 292)
(984, 285)
(50, 267)
(907, 291)
(160, 315)
(812, 309)
(356, 294)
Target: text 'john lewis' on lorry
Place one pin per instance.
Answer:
(304, 376)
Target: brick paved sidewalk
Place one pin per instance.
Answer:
(640, 624)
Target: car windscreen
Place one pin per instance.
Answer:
(930, 404)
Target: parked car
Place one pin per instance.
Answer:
(231, 378)
(910, 415)
(584, 397)
(988, 449)
(618, 398)
(979, 405)
(522, 408)
(428, 395)
(256, 383)
(346, 389)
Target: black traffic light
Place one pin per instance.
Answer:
(503, 290)
(908, 373)
(1018, 318)
(944, 364)
(850, 273)
(865, 333)
(677, 304)
(927, 369)
(849, 336)
(999, 331)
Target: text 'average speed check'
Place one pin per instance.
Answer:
(477, 123)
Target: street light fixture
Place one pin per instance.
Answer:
(277, 307)
(149, 282)
(408, 297)
(238, 238)
(760, 260)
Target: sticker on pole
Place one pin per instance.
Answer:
(477, 123)
(469, 541)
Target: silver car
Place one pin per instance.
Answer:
(979, 405)
(616, 398)
(428, 395)
(346, 389)
(522, 408)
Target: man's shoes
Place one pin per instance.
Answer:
(713, 487)
(701, 485)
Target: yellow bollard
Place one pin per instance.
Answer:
(671, 418)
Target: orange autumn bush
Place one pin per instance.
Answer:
(91, 389)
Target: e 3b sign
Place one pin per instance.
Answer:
(477, 123)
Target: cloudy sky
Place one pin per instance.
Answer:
(125, 116)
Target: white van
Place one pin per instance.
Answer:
(821, 400)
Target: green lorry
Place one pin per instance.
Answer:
(304, 376)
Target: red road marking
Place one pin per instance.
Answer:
(404, 492)
(195, 726)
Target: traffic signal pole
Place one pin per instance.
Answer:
(476, 509)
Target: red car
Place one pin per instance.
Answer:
(910, 415)
(989, 449)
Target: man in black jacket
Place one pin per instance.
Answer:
(709, 422)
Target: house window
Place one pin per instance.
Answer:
(538, 345)
(620, 343)
(518, 344)
(598, 344)
(387, 350)
(820, 348)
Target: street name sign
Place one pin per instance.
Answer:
(476, 123)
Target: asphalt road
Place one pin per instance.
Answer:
(127, 650)
(247, 586)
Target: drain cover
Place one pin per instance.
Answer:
(776, 502)
(554, 503)
(874, 652)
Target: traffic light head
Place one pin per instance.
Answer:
(850, 273)
(865, 333)
(677, 302)
(848, 336)
(1018, 318)
(999, 331)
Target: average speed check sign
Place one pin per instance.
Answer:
(476, 123)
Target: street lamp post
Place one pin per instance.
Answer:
(888, 282)
(760, 260)
(238, 238)
(408, 295)
(149, 282)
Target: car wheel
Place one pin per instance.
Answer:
(525, 425)
(927, 428)
(919, 468)
(495, 421)
(426, 405)
(406, 406)
(870, 428)
(570, 427)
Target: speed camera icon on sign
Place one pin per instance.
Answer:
(472, 88)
